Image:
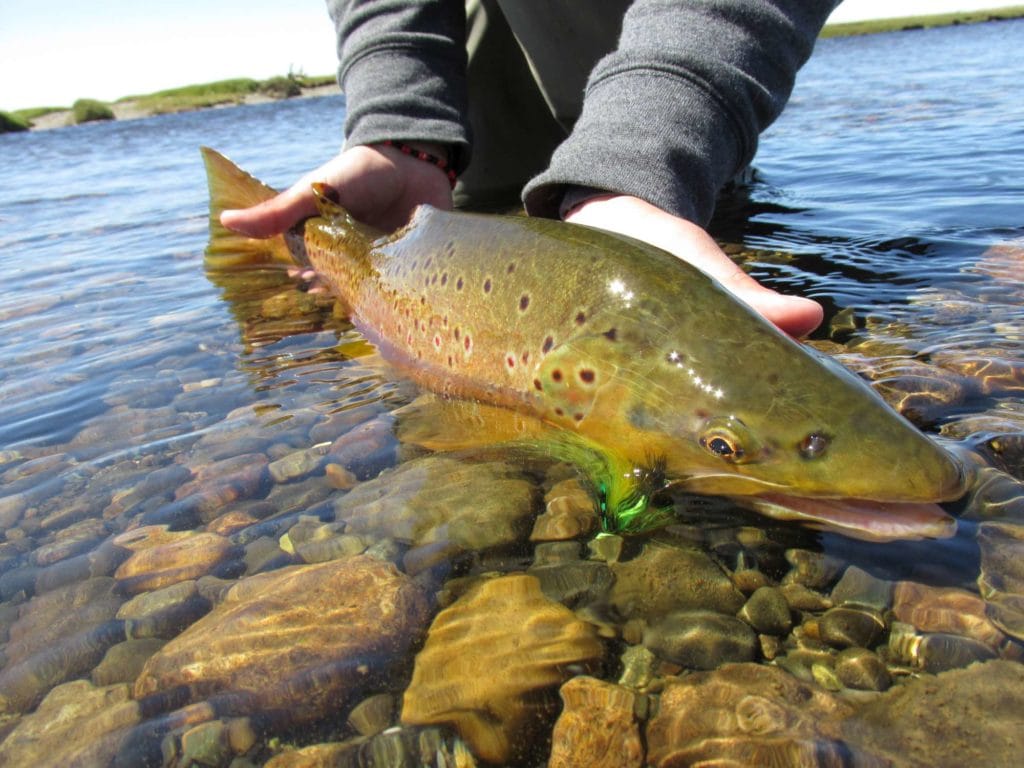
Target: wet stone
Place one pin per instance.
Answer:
(76, 538)
(296, 465)
(163, 612)
(936, 652)
(597, 727)
(859, 587)
(843, 627)
(503, 624)
(569, 513)
(76, 724)
(701, 639)
(372, 715)
(556, 552)
(574, 583)
(947, 610)
(811, 569)
(959, 718)
(206, 744)
(366, 450)
(664, 578)
(441, 500)
(767, 612)
(746, 714)
(172, 558)
(802, 598)
(1001, 581)
(123, 662)
(299, 640)
(863, 670)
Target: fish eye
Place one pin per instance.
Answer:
(728, 440)
(814, 445)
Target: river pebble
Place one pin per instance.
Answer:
(768, 612)
(597, 727)
(701, 639)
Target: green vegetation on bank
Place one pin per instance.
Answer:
(11, 123)
(921, 22)
(90, 111)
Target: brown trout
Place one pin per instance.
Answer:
(599, 349)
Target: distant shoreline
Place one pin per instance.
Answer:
(246, 91)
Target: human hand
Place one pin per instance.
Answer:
(637, 218)
(378, 185)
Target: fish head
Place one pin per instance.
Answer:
(783, 430)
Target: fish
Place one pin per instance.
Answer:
(604, 351)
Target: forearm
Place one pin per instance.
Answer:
(402, 67)
(676, 110)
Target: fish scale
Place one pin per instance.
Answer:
(618, 357)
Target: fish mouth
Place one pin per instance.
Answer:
(868, 520)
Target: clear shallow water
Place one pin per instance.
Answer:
(126, 371)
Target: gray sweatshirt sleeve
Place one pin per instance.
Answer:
(675, 112)
(402, 68)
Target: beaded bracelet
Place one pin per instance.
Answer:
(440, 162)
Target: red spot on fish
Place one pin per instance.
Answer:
(511, 361)
(457, 333)
(556, 375)
(524, 302)
(537, 385)
(525, 357)
(437, 341)
(587, 376)
(466, 342)
(559, 412)
(578, 416)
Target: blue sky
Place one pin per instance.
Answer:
(54, 52)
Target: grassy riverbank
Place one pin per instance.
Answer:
(247, 90)
(189, 97)
(921, 22)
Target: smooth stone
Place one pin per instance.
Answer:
(606, 547)
(439, 499)
(569, 513)
(664, 579)
(206, 744)
(701, 639)
(304, 639)
(843, 627)
(186, 556)
(372, 715)
(861, 669)
(812, 569)
(77, 724)
(164, 612)
(296, 465)
(767, 611)
(597, 727)
(803, 598)
(859, 587)
(575, 583)
(366, 450)
(339, 477)
(335, 548)
(749, 580)
(556, 552)
(958, 718)
(639, 666)
(948, 610)
(123, 662)
(329, 755)
(530, 644)
(749, 715)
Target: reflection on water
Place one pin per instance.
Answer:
(215, 549)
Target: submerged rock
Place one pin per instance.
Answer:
(963, 717)
(162, 558)
(664, 578)
(437, 500)
(597, 727)
(76, 725)
(492, 662)
(304, 638)
(745, 714)
(701, 639)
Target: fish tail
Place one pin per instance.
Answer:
(231, 187)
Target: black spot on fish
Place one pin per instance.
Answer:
(457, 334)
(524, 302)
(487, 285)
(548, 344)
(578, 416)
(537, 385)
(458, 284)
(556, 375)
(611, 334)
(444, 278)
(581, 318)
(511, 267)
(587, 376)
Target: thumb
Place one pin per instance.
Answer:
(273, 216)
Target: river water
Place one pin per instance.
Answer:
(168, 434)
